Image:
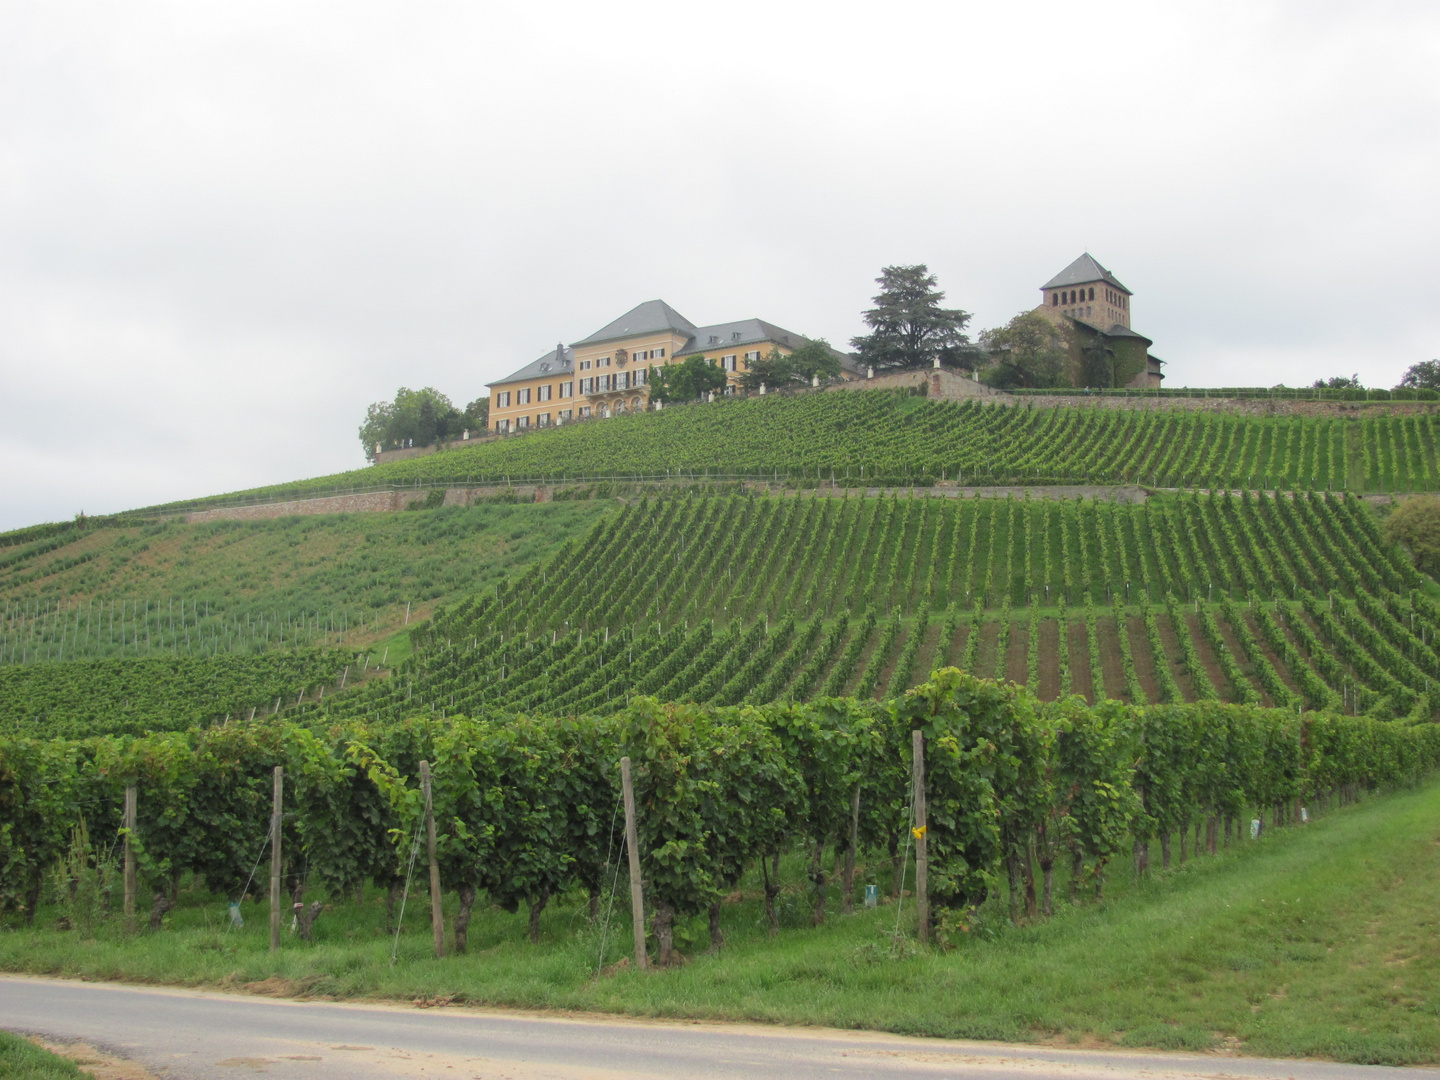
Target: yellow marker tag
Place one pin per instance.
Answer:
(919, 832)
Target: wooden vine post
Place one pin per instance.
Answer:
(276, 820)
(437, 909)
(922, 869)
(632, 846)
(129, 858)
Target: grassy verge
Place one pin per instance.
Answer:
(1318, 940)
(20, 1059)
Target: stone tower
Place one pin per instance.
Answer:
(1086, 292)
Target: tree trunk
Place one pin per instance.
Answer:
(817, 875)
(360, 894)
(1212, 833)
(1012, 874)
(305, 918)
(1142, 858)
(1196, 846)
(1165, 852)
(1077, 874)
(594, 904)
(1100, 881)
(1047, 878)
(847, 902)
(1027, 868)
(1184, 835)
(158, 909)
(772, 890)
(665, 933)
(717, 939)
(462, 919)
(536, 907)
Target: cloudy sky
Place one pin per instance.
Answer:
(227, 228)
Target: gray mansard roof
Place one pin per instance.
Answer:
(1083, 271)
(651, 317)
(654, 316)
(741, 333)
(558, 361)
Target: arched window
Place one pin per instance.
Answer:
(1054, 299)
(1092, 292)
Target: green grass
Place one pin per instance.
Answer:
(1314, 941)
(20, 1059)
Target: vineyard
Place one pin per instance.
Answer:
(235, 588)
(527, 809)
(883, 438)
(1270, 600)
(162, 693)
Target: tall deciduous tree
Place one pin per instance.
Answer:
(908, 326)
(1422, 376)
(1416, 524)
(814, 358)
(692, 378)
(415, 416)
(1026, 351)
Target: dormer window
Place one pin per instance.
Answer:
(714, 339)
(735, 335)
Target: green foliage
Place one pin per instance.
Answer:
(811, 361)
(1027, 351)
(908, 327)
(525, 808)
(1416, 524)
(417, 418)
(162, 693)
(880, 437)
(20, 1059)
(688, 380)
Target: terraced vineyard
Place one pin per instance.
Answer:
(244, 587)
(888, 438)
(1278, 600)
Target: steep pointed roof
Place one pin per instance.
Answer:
(651, 317)
(1083, 271)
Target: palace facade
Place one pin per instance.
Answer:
(607, 373)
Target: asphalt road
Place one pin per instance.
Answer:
(192, 1035)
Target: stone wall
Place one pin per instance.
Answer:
(369, 503)
(1239, 406)
(407, 452)
(940, 384)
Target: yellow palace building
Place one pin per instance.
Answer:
(606, 373)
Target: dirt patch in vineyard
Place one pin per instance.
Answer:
(1207, 659)
(889, 663)
(1227, 635)
(1049, 660)
(1286, 675)
(1144, 659)
(1080, 680)
(989, 638)
(1110, 658)
(928, 658)
(1175, 656)
(1016, 660)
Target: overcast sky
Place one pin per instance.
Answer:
(227, 228)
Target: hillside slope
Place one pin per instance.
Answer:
(887, 438)
(1283, 601)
